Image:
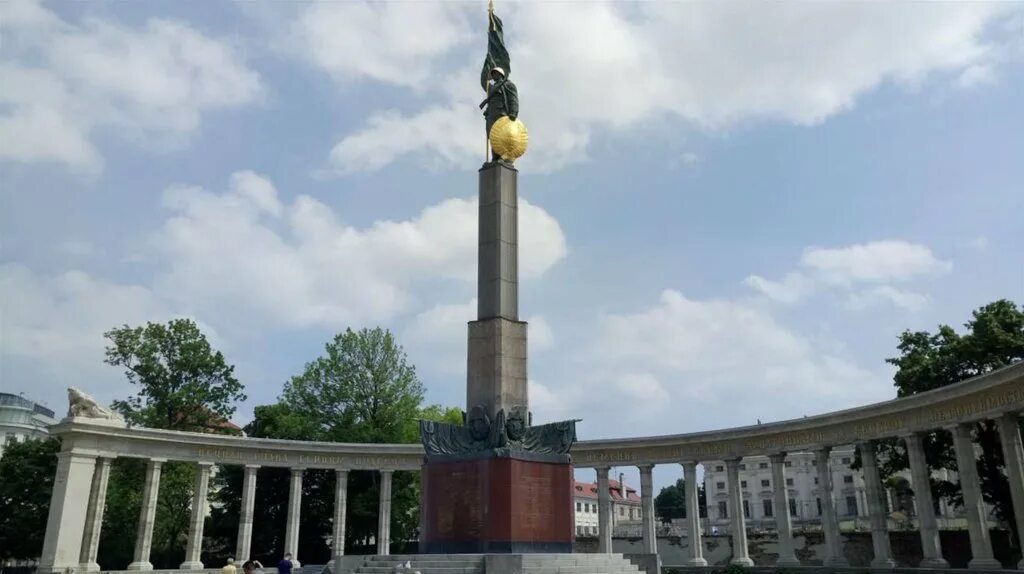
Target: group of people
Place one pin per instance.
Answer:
(254, 566)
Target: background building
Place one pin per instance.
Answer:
(21, 419)
(625, 509)
(804, 493)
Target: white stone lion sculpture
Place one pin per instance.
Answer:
(82, 405)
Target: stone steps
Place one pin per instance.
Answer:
(475, 564)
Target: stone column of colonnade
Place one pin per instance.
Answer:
(876, 508)
(291, 532)
(244, 544)
(920, 476)
(340, 510)
(194, 547)
(147, 516)
(974, 506)
(384, 515)
(604, 527)
(783, 524)
(692, 504)
(739, 526)
(650, 540)
(1013, 458)
(829, 524)
(94, 515)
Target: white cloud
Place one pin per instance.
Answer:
(888, 294)
(245, 253)
(389, 42)
(791, 289)
(875, 262)
(618, 66)
(863, 273)
(64, 81)
(680, 364)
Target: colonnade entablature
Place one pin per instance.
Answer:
(89, 445)
(103, 439)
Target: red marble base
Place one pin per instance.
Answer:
(497, 505)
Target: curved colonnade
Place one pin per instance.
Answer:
(89, 446)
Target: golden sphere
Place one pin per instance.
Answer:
(509, 138)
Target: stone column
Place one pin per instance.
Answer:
(94, 517)
(147, 515)
(876, 508)
(739, 524)
(242, 548)
(194, 547)
(920, 476)
(384, 516)
(647, 508)
(604, 527)
(62, 545)
(1013, 455)
(340, 510)
(829, 524)
(291, 532)
(787, 555)
(974, 506)
(692, 501)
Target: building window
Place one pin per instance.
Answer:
(720, 485)
(746, 509)
(763, 465)
(814, 462)
(586, 507)
(848, 479)
(743, 467)
(723, 510)
(631, 514)
(815, 480)
(622, 511)
(819, 506)
(846, 460)
(767, 504)
(719, 468)
(792, 507)
(789, 482)
(766, 484)
(743, 484)
(579, 506)
(851, 505)
(789, 463)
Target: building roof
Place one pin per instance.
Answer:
(589, 490)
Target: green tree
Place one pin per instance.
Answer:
(27, 471)
(670, 503)
(184, 384)
(994, 338)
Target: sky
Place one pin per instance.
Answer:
(728, 212)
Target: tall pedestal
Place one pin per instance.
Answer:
(496, 366)
(497, 484)
(497, 504)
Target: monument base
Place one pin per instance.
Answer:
(494, 504)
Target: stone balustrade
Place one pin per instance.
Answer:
(88, 446)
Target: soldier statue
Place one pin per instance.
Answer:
(502, 100)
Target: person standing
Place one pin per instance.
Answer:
(285, 565)
(229, 568)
